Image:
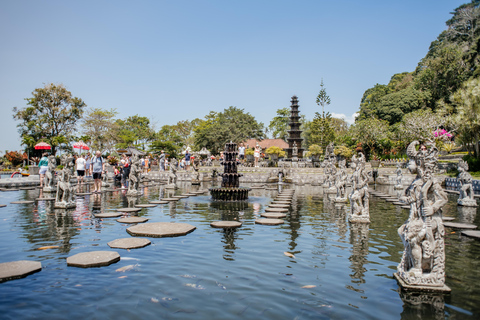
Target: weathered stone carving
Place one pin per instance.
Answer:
(64, 198)
(50, 175)
(134, 177)
(359, 206)
(172, 176)
(399, 173)
(465, 187)
(423, 262)
(330, 169)
(105, 183)
(196, 174)
(341, 181)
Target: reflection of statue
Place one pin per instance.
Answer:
(423, 260)
(50, 174)
(172, 176)
(359, 239)
(417, 305)
(360, 211)
(398, 183)
(134, 176)
(64, 197)
(341, 181)
(464, 178)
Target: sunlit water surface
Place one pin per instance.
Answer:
(339, 271)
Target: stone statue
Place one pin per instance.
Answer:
(294, 150)
(50, 175)
(330, 169)
(196, 174)
(423, 261)
(172, 177)
(465, 187)
(64, 198)
(105, 183)
(341, 181)
(134, 177)
(359, 206)
(399, 173)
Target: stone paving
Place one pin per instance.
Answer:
(129, 243)
(18, 269)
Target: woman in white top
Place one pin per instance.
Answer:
(80, 168)
(256, 154)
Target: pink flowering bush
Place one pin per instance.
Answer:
(442, 134)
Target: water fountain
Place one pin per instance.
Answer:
(230, 189)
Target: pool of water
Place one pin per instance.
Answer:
(339, 271)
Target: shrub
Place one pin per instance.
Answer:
(473, 162)
(275, 150)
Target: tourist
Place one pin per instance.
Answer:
(80, 163)
(126, 171)
(118, 175)
(162, 161)
(187, 160)
(241, 152)
(146, 163)
(98, 167)
(256, 154)
(43, 166)
(87, 165)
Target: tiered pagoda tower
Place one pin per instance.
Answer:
(294, 132)
(230, 189)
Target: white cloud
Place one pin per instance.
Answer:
(350, 119)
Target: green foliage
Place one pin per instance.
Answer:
(169, 147)
(322, 129)
(134, 130)
(322, 98)
(369, 132)
(315, 150)
(275, 150)
(14, 157)
(279, 124)
(473, 162)
(249, 152)
(233, 124)
(343, 151)
(100, 129)
(51, 114)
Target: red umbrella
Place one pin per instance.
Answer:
(81, 145)
(42, 146)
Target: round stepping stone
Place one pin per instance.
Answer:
(7, 189)
(276, 210)
(18, 269)
(128, 210)
(271, 188)
(226, 224)
(132, 220)
(279, 205)
(22, 202)
(45, 199)
(281, 202)
(189, 194)
(398, 203)
(180, 197)
(448, 218)
(93, 259)
(457, 225)
(82, 193)
(108, 215)
(159, 202)
(471, 233)
(170, 199)
(269, 222)
(129, 243)
(3, 205)
(146, 205)
(161, 229)
(405, 207)
(273, 215)
(392, 199)
(28, 188)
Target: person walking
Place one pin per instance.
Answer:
(43, 167)
(98, 167)
(162, 161)
(80, 163)
(88, 159)
(187, 159)
(146, 164)
(256, 154)
(126, 171)
(241, 152)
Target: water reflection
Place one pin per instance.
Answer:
(229, 237)
(422, 305)
(359, 233)
(467, 214)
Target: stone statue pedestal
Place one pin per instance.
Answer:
(50, 189)
(398, 187)
(356, 218)
(133, 193)
(65, 205)
(340, 200)
(420, 288)
(467, 202)
(195, 182)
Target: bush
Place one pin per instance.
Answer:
(275, 150)
(473, 163)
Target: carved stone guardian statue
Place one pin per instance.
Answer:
(359, 205)
(422, 267)
(134, 177)
(172, 177)
(64, 198)
(341, 181)
(465, 187)
(50, 175)
(399, 173)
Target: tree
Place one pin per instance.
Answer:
(233, 124)
(279, 124)
(370, 131)
(465, 22)
(51, 115)
(181, 134)
(322, 97)
(322, 129)
(134, 130)
(100, 127)
(419, 125)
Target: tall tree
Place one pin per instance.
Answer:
(279, 124)
(322, 98)
(369, 132)
(51, 114)
(99, 125)
(322, 129)
(134, 130)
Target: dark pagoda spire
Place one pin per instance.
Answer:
(294, 132)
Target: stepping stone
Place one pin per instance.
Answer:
(457, 225)
(226, 224)
(83, 193)
(405, 207)
(276, 210)
(269, 222)
(281, 202)
(128, 210)
(28, 188)
(161, 229)
(8, 189)
(129, 243)
(392, 199)
(273, 215)
(189, 194)
(159, 202)
(3, 205)
(448, 218)
(108, 215)
(18, 269)
(146, 205)
(257, 187)
(45, 199)
(399, 203)
(22, 202)
(132, 220)
(282, 199)
(93, 259)
(271, 188)
(471, 233)
(279, 205)
(180, 197)
(170, 199)
(110, 190)
(198, 192)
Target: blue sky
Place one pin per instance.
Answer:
(178, 60)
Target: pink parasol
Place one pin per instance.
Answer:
(42, 146)
(80, 145)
